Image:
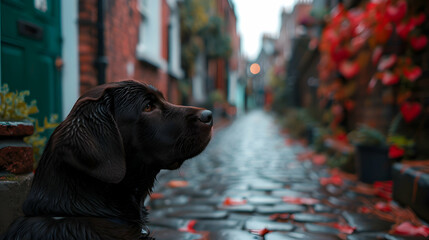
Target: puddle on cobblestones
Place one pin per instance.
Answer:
(242, 164)
(199, 215)
(299, 236)
(305, 187)
(288, 192)
(174, 201)
(263, 200)
(239, 208)
(266, 186)
(233, 235)
(281, 208)
(316, 228)
(366, 236)
(366, 223)
(311, 218)
(270, 225)
(320, 208)
(168, 234)
(214, 225)
(174, 223)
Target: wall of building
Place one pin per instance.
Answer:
(127, 56)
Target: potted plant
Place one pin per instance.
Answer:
(372, 154)
(16, 156)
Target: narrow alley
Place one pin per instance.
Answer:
(248, 184)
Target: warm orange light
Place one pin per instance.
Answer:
(255, 68)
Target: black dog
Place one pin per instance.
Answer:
(101, 162)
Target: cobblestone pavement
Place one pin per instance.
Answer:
(248, 184)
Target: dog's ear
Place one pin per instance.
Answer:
(89, 138)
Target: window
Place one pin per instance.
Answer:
(148, 47)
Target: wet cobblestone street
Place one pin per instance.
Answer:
(249, 184)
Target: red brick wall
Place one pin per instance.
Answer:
(87, 44)
(165, 13)
(122, 21)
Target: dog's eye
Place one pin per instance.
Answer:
(149, 107)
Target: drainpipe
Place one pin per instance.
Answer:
(101, 61)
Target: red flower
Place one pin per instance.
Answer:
(389, 78)
(377, 54)
(396, 152)
(349, 69)
(403, 29)
(418, 20)
(418, 43)
(387, 62)
(340, 54)
(397, 12)
(412, 73)
(410, 111)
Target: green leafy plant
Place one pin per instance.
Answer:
(366, 135)
(13, 107)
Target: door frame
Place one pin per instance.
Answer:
(70, 76)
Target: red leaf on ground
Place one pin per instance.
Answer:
(177, 183)
(396, 152)
(300, 200)
(408, 229)
(234, 202)
(282, 216)
(260, 232)
(364, 209)
(384, 207)
(344, 228)
(189, 227)
(410, 111)
(319, 159)
(156, 195)
(334, 180)
(383, 189)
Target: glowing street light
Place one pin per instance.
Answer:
(255, 68)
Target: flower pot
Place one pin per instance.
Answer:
(373, 163)
(15, 155)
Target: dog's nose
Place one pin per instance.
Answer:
(206, 117)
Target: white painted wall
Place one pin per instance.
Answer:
(70, 71)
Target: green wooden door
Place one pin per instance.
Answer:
(30, 44)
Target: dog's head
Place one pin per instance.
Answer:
(126, 125)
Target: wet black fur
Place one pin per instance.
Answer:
(101, 162)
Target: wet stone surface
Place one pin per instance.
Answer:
(249, 185)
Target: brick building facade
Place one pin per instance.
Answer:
(120, 47)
